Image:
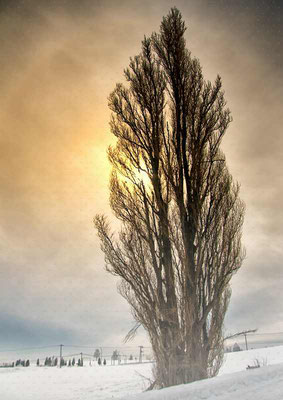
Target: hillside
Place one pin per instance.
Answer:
(264, 383)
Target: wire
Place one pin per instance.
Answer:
(104, 347)
(29, 348)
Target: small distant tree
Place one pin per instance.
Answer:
(37, 362)
(27, 363)
(236, 347)
(56, 361)
(96, 354)
(62, 362)
(99, 361)
(73, 361)
(69, 363)
(79, 362)
(104, 361)
(115, 355)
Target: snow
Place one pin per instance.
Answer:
(130, 380)
(260, 384)
(72, 383)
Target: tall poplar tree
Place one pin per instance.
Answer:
(180, 211)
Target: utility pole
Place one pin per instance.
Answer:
(141, 352)
(81, 359)
(61, 346)
(246, 341)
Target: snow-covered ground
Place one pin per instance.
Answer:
(264, 383)
(128, 381)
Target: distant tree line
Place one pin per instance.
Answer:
(23, 363)
(68, 361)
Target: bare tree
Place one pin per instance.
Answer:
(181, 216)
(96, 354)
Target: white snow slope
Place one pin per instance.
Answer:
(264, 383)
(128, 381)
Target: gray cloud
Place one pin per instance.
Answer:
(28, 332)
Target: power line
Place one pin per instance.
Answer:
(104, 347)
(70, 345)
(268, 333)
(28, 348)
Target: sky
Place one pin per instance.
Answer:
(59, 62)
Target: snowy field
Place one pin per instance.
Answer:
(129, 381)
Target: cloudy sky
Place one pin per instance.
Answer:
(59, 62)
